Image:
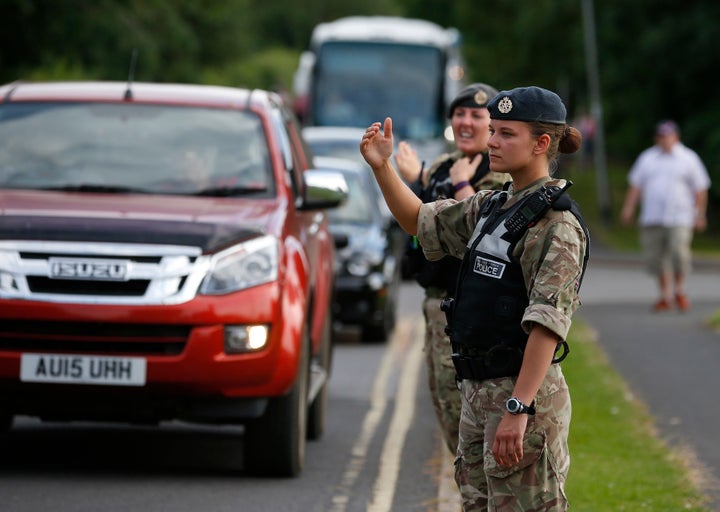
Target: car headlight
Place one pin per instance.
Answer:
(248, 264)
(362, 263)
(358, 267)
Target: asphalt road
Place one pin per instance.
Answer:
(381, 450)
(669, 360)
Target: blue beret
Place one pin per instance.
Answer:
(528, 104)
(475, 95)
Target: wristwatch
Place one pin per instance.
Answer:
(513, 405)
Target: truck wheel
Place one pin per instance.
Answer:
(275, 443)
(317, 410)
(6, 421)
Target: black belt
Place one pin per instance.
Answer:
(474, 363)
(471, 351)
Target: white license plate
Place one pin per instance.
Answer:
(73, 369)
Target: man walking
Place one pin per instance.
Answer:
(671, 183)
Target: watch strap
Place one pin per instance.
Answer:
(530, 409)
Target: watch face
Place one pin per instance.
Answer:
(513, 405)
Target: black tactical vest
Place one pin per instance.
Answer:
(484, 317)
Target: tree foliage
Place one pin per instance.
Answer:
(655, 56)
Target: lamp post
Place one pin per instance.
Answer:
(591, 63)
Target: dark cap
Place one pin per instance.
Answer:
(666, 127)
(475, 95)
(529, 104)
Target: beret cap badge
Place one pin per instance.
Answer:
(505, 105)
(481, 97)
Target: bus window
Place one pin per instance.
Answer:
(347, 93)
(360, 69)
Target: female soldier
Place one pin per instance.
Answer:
(524, 252)
(458, 175)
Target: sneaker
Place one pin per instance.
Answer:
(683, 303)
(662, 305)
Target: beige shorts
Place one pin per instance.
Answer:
(667, 248)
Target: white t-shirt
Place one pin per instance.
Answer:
(668, 183)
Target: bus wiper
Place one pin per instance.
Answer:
(230, 191)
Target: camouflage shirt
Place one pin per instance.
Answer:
(550, 253)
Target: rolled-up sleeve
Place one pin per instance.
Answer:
(427, 233)
(552, 257)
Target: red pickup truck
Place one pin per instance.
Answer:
(164, 255)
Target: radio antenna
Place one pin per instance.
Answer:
(131, 75)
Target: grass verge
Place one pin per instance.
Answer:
(618, 462)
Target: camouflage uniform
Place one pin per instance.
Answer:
(441, 372)
(551, 255)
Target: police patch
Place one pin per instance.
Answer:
(488, 268)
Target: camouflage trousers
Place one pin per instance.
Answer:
(441, 372)
(537, 482)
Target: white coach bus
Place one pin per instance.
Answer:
(360, 69)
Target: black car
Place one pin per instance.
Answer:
(369, 247)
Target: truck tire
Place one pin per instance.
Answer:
(317, 411)
(6, 421)
(275, 443)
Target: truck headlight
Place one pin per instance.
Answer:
(245, 265)
(240, 339)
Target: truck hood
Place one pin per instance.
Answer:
(206, 222)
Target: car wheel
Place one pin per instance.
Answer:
(275, 443)
(317, 411)
(374, 332)
(382, 331)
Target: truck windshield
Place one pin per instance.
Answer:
(116, 148)
(358, 83)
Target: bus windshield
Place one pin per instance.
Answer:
(357, 83)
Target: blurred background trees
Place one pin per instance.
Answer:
(655, 56)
